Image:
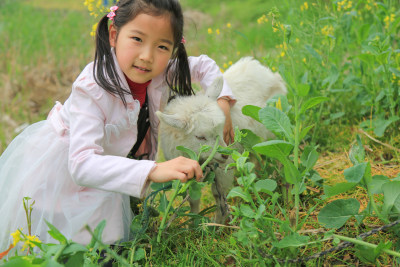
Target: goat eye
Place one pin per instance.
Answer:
(202, 138)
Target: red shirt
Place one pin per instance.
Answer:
(138, 90)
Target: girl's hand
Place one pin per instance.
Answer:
(229, 134)
(179, 168)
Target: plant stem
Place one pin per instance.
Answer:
(363, 243)
(296, 159)
(183, 188)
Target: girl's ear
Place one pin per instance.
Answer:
(112, 34)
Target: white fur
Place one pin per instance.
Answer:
(197, 120)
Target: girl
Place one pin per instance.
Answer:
(74, 164)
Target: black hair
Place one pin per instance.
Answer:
(177, 72)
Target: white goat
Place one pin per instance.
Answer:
(193, 121)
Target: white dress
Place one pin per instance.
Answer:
(74, 165)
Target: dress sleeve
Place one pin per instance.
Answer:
(89, 166)
(205, 70)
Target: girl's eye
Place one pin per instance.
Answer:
(137, 39)
(202, 138)
(164, 47)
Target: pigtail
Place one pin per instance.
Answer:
(105, 71)
(179, 80)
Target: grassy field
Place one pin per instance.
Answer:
(342, 56)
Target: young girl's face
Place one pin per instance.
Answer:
(143, 46)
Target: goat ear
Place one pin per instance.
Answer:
(172, 120)
(215, 88)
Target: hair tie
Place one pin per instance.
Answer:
(183, 41)
(111, 15)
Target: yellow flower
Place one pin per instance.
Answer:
(217, 31)
(279, 104)
(225, 65)
(94, 28)
(297, 40)
(16, 237)
(29, 243)
(273, 69)
(228, 25)
(230, 63)
(221, 70)
(327, 30)
(238, 53)
(304, 60)
(282, 54)
(210, 31)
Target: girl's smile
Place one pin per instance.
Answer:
(143, 46)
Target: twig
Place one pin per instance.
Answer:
(379, 142)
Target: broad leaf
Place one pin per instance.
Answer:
(195, 190)
(277, 149)
(251, 111)
(337, 189)
(266, 186)
(293, 240)
(238, 192)
(336, 213)
(247, 211)
(190, 153)
(56, 234)
(276, 121)
(356, 173)
(312, 102)
(391, 192)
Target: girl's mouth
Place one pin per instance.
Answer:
(141, 69)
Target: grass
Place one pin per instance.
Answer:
(46, 44)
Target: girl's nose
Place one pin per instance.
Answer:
(146, 54)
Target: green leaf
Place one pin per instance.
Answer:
(56, 234)
(251, 111)
(292, 175)
(188, 152)
(369, 255)
(210, 177)
(292, 240)
(336, 213)
(276, 121)
(247, 211)
(375, 187)
(195, 190)
(266, 186)
(313, 53)
(356, 173)
(76, 259)
(163, 203)
(238, 192)
(97, 233)
(381, 125)
(18, 262)
(357, 152)
(250, 139)
(312, 102)
(395, 71)
(140, 254)
(277, 149)
(305, 131)
(391, 192)
(337, 189)
(309, 158)
(303, 89)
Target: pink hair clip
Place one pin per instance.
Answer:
(111, 15)
(183, 41)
